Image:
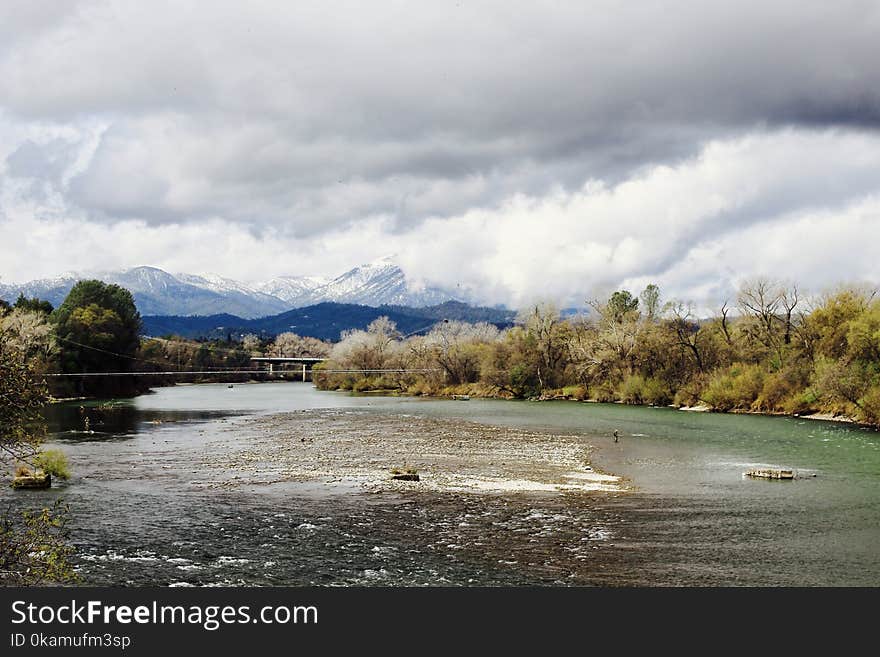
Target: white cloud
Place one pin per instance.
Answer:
(793, 204)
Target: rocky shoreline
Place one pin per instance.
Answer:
(359, 449)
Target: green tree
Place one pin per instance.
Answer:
(650, 300)
(621, 304)
(34, 305)
(98, 326)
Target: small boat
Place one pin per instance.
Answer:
(461, 397)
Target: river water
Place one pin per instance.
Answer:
(689, 518)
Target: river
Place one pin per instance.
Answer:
(687, 516)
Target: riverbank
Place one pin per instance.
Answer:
(478, 391)
(360, 449)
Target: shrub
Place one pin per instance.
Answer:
(870, 406)
(637, 389)
(53, 462)
(783, 389)
(690, 393)
(575, 392)
(631, 389)
(734, 387)
(603, 392)
(801, 402)
(363, 384)
(655, 392)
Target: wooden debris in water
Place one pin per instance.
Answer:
(36, 480)
(770, 473)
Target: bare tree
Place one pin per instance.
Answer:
(725, 323)
(251, 344)
(686, 330)
(454, 348)
(544, 324)
(789, 300)
(760, 300)
(291, 345)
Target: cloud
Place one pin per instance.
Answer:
(795, 204)
(554, 149)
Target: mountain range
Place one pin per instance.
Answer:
(157, 292)
(325, 321)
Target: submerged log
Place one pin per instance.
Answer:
(38, 480)
(770, 473)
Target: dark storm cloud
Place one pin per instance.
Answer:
(261, 113)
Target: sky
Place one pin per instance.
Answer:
(518, 151)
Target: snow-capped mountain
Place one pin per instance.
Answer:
(379, 282)
(292, 289)
(156, 292)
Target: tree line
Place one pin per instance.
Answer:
(770, 350)
(97, 330)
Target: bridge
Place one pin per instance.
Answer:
(272, 361)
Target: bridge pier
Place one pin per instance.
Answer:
(286, 365)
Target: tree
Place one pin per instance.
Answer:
(455, 349)
(34, 304)
(29, 332)
(252, 344)
(98, 326)
(546, 334)
(367, 350)
(650, 301)
(291, 345)
(621, 304)
(33, 548)
(686, 331)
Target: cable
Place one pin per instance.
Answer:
(259, 371)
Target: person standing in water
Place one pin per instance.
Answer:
(616, 435)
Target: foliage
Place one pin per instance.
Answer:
(98, 328)
(734, 387)
(33, 305)
(22, 395)
(773, 356)
(621, 304)
(637, 389)
(34, 549)
(30, 333)
(53, 462)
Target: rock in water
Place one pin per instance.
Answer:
(38, 480)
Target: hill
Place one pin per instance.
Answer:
(325, 321)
